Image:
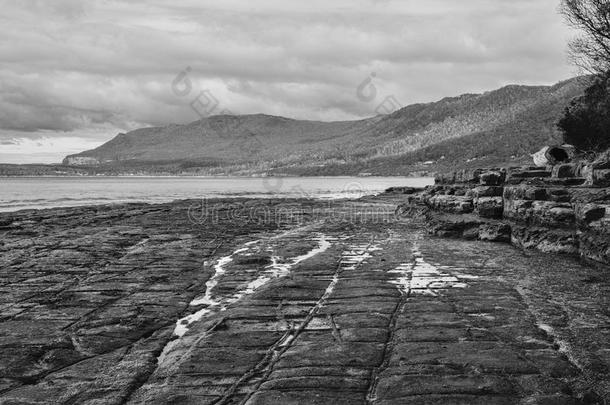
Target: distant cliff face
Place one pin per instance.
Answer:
(505, 124)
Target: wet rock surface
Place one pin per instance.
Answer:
(289, 302)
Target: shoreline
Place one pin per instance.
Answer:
(212, 199)
(58, 192)
(212, 177)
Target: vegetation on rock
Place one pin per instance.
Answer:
(586, 123)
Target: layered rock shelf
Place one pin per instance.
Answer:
(556, 209)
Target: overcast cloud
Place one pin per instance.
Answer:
(74, 73)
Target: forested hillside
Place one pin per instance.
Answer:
(497, 127)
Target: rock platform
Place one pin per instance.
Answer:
(289, 302)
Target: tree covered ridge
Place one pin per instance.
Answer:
(502, 127)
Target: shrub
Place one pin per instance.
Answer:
(586, 122)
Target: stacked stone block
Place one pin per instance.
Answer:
(561, 209)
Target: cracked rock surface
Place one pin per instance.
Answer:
(336, 304)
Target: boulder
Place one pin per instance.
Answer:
(466, 176)
(587, 213)
(547, 213)
(598, 177)
(591, 195)
(489, 207)
(559, 195)
(540, 158)
(595, 245)
(403, 190)
(525, 192)
(552, 155)
(552, 213)
(517, 176)
(451, 204)
(597, 221)
(444, 178)
(566, 182)
(495, 232)
(517, 210)
(454, 226)
(545, 239)
(566, 170)
(487, 191)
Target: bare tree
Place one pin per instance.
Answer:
(590, 50)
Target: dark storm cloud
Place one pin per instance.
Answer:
(91, 68)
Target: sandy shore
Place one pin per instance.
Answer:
(288, 302)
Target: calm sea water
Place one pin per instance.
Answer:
(45, 192)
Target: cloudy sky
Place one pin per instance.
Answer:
(74, 73)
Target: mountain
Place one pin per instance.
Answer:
(497, 127)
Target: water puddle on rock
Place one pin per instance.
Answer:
(355, 255)
(183, 323)
(351, 258)
(422, 278)
(276, 269)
